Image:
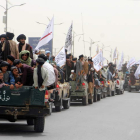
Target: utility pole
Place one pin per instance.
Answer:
(6, 12)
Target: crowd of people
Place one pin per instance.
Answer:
(19, 66)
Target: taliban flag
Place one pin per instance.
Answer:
(68, 42)
(47, 35)
(115, 56)
(131, 62)
(97, 50)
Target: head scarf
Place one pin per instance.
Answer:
(40, 62)
(28, 61)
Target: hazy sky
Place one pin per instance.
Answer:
(113, 22)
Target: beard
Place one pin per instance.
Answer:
(21, 43)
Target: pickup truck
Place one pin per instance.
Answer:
(61, 96)
(81, 94)
(26, 103)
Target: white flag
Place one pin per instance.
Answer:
(60, 59)
(137, 73)
(47, 36)
(131, 62)
(121, 62)
(68, 42)
(97, 50)
(98, 61)
(138, 62)
(115, 54)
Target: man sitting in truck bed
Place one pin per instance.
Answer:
(26, 73)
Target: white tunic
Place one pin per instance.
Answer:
(51, 74)
(44, 76)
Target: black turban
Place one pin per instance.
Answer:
(40, 61)
(9, 35)
(22, 36)
(74, 59)
(11, 58)
(90, 59)
(43, 57)
(4, 63)
(80, 56)
(16, 62)
(3, 36)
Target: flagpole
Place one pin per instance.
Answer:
(73, 39)
(53, 34)
(83, 32)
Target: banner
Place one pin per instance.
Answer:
(47, 36)
(98, 61)
(68, 42)
(137, 73)
(131, 62)
(60, 59)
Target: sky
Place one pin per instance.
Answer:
(115, 23)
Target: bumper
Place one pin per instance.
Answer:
(23, 112)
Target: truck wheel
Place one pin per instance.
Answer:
(90, 101)
(113, 93)
(98, 97)
(129, 89)
(66, 104)
(50, 109)
(118, 91)
(84, 100)
(39, 124)
(95, 95)
(30, 121)
(58, 108)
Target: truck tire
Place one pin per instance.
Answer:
(30, 121)
(129, 89)
(118, 91)
(58, 108)
(95, 96)
(98, 97)
(66, 104)
(39, 124)
(113, 93)
(84, 100)
(50, 110)
(90, 101)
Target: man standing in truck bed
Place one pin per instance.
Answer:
(79, 70)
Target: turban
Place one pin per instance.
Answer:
(43, 57)
(22, 36)
(11, 58)
(9, 35)
(4, 63)
(16, 62)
